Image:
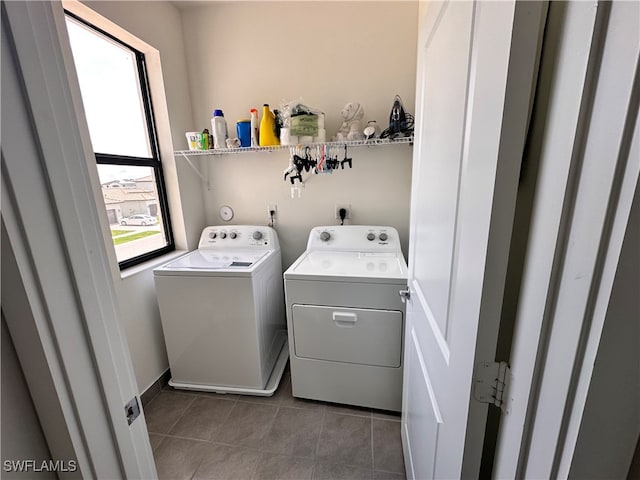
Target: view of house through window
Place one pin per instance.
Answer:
(112, 78)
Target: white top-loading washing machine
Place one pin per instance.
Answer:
(222, 312)
(345, 317)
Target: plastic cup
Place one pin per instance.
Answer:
(193, 140)
(243, 128)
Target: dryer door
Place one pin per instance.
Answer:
(350, 335)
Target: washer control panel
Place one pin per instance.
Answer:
(354, 237)
(239, 236)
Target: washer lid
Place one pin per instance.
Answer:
(368, 267)
(217, 260)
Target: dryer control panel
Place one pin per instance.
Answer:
(364, 238)
(239, 236)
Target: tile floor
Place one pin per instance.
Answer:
(198, 435)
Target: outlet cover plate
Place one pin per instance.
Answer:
(346, 206)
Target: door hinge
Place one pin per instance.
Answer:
(491, 384)
(132, 410)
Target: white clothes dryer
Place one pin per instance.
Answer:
(345, 317)
(222, 312)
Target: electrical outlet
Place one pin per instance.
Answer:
(346, 206)
(272, 208)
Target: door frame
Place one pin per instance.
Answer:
(61, 307)
(581, 208)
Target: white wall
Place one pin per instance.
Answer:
(241, 55)
(377, 188)
(22, 437)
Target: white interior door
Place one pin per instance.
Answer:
(476, 68)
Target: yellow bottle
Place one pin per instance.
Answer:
(268, 128)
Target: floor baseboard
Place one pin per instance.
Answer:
(155, 388)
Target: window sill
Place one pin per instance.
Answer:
(151, 264)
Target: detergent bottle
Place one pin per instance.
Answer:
(255, 127)
(268, 128)
(219, 127)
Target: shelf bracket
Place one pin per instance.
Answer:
(197, 171)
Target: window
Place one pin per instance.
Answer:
(115, 93)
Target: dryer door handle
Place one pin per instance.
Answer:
(345, 319)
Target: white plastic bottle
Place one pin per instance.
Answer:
(255, 127)
(219, 128)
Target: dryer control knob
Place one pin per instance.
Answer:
(371, 237)
(233, 235)
(213, 235)
(257, 235)
(223, 235)
(325, 236)
(383, 237)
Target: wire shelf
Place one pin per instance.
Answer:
(352, 143)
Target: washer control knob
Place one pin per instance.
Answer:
(213, 235)
(371, 237)
(223, 235)
(383, 237)
(233, 235)
(257, 235)
(325, 236)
